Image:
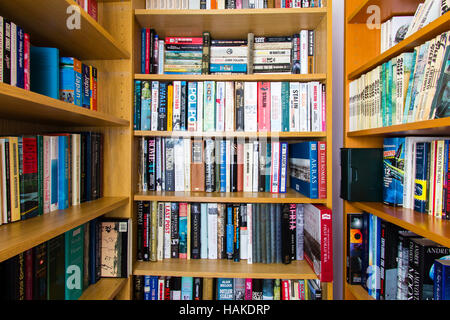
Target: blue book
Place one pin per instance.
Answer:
(183, 106)
(137, 105)
(267, 289)
(268, 166)
(304, 168)
(143, 44)
(225, 289)
(86, 88)
(371, 268)
(228, 67)
(393, 165)
(223, 166)
(153, 288)
(20, 58)
(230, 232)
(283, 166)
(44, 71)
(146, 112)
(74, 263)
(147, 290)
(187, 286)
(410, 87)
(70, 80)
(192, 105)
(421, 184)
(442, 280)
(63, 172)
(203, 230)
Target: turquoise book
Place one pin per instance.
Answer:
(187, 285)
(389, 81)
(44, 71)
(74, 263)
(383, 94)
(70, 80)
(410, 86)
(267, 289)
(225, 289)
(146, 98)
(285, 106)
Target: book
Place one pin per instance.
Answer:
(441, 279)
(304, 168)
(44, 71)
(114, 247)
(74, 263)
(393, 164)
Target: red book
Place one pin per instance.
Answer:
(240, 166)
(26, 62)
(184, 40)
(167, 281)
(277, 3)
(319, 229)
(322, 166)
(264, 106)
(93, 9)
(288, 3)
(160, 289)
(301, 290)
(285, 290)
(248, 289)
(29, 274)
(146, 232)
(147, 51)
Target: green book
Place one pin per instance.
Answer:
(285, 106)
(383, 94)
(389, 93)
(55, 268)
(209, 106)
(410, 86)
(74, 263)
(277, 289)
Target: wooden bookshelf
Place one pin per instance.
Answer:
(20, 236)
(362, 54)
(104, 289)
(236, 24)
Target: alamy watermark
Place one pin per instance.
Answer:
(374, 20)
(73, 22)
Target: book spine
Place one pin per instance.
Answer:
(167, 230)
(192, 107)
(206, 52)
(221, 232)
(283, 166)
(229, 107)
(250, 106)
(250, 235)
(13, 54)
(182, 232)
(204, 231)
(420, 193)
(26, 55)
(6, 51)
(293, 230)
(275, 168)
(209, 115)
(322, 169)
(160, 232)
(236, 233)
(212, 231)
(86, 92)
(169, 116)
(20, 57)
(285, 235)
(153, 231)
(154, 106)
(174, 238)
(264, 107)
(240, 106)
(137, 105)
(255, 166)
(163, 105)
(140, 231)
(196, 231)
(229, 232)
(200, 100)
(220, 106)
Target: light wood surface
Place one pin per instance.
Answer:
(20, 104)
(104, 289)
(234, 77)
(224, 269)
(220, 197)
(388, 8)
(358, 292)
(46, 21)
(20, 236)
(188, 134)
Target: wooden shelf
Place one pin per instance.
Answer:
(221, 197)
(422, 224)
(23, 105)
(430, 31)
(388, 8)
(188, 134)
(358, 292)
(224, 269)
(434, 127)
(234, 77)
(46, 22)
(20, 236)
(229, 24)
(104, 289)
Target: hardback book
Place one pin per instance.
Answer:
(304, 168)
(251, 106)
(44, 71)
(212, 230)
(442, 279)
(285, 235)
(114, 247)
(318, 240)
(74, 263)
(292, 230)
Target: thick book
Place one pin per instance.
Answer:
(304, 168)
(145, 111)
(114, 247)
(70, 81)
(187, 287)
(195, 230)
(45, 71)
(197, 166)
(28, 177)
(74, 263)
(388, 261)
(393, 165)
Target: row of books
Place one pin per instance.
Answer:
(231, 4)
(90, 6)
(258, 233)
(229, 106)
(43, 173)
(63, 267)
(200, 55)
(395, 264)
(195, 288)
(409, 88)
(417, 174)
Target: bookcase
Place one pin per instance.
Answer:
(235, 24)
(362, 54)
(106, 45)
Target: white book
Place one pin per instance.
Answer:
(228, 160)
(76, 168)
(220, 106)
(250, 234)
(255, 168)
(160, 232)
(162, 4)
(248, 162)
(204, 230)
(294, 114)
(4, 204)
(13, 54)
(276, 107)
(220, 4)
(187, 164)
(243, 233)
(148, 4)
(415, 20)
(167, 229)
(299, 232)
(46, 173)
(304, 52)
(176, 111)
(154, 105)
(231, 52)
(309, 109)
(170, 4)
(275, 168)
(250, 106)
(161, 56)
(439, 178)
(200, 106)
(399, 28)
(208, 4)
(53, 164)
(283, 167)
(212, 230)
(229, 106)
(433, 14)
(400, 97)
(179, 164)
(316, 114)
(303, 107)
(383, 37)
(185, 4)
(194, 4)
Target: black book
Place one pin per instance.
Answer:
(40, 272)
(138, 288)
(195, 230)
(388, 261)
(278, 257)
(140, 231)
(296, 54)
(146, 215)
(151, 46)
(9, 279)
(151, 183)
(230, 4)
(175, 288)
(293, 230)
(170, 165)
(210, 171)
(253, 239)
(236, 233)
(239, 101)
(272, 233)
(262, 167)
(354, 248)
(257, 289)
(267, 230)
(154, 60)
(285, 235)
(174, 237)
(183, 106)
(257, 233)
(83, 150)
(262, 232)
(202, 4)
(98, 256)
(198, 289)
(6, 51)
(162, 110)
(56, 268)
(233, 166)
(206, 52)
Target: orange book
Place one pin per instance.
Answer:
(213, 4)
(198, 166)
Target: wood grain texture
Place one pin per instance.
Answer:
(22, 235)
(388, 8)
(358, 292)
(224, 269)
(104, 289)
(46, 21)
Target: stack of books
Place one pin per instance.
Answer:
(231, 4)
(228, 56)
(183, 55)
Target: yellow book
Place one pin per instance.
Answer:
(208, 289)
(169, 106)
(306, 290)
(14, 178)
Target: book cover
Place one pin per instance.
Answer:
(225, 289)
(114, 247)
(74, 263)
(304, 168)
(28, 177)
(145, 107)
(393, 164)
(187, 287)
(421, 181)
(212, 230)
(44, 71)
(196, 243)
(441, 279)
(209, 115)
(174, 230)
(182, 230)
(197, 166)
